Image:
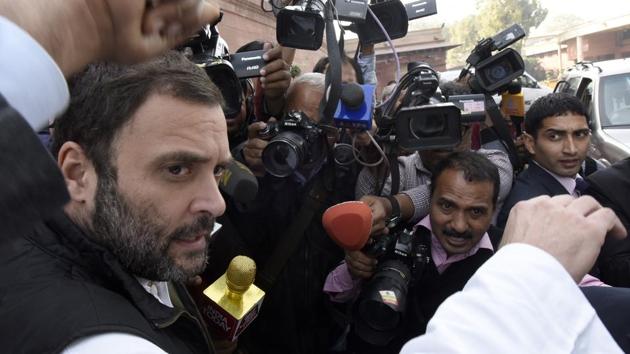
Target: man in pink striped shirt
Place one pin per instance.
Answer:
(464, 192)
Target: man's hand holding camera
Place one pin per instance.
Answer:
(360, 264)
(253, 149)
(275, 79)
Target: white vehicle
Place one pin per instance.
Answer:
(604, 88)
(531, 89)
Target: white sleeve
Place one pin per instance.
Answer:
(520, 301)
(120, 343)
(30, 80)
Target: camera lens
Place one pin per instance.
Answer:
(498, 72)
(284, 154)
(382, 303)
(427, 125)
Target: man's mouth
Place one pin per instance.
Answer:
(570, 163)
(457, 241)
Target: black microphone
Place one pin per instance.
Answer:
(239, 182)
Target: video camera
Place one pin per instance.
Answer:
(301, 24)
(210, 52)
(494, 72)
(379, 309)
(425, 119)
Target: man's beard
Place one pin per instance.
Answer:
(140, 242)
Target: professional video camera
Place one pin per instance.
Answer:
(301, 23)
(379, 309)
(425, 120)
(295, 143)
(209, 51)
(494, 72)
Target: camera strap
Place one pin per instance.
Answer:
(503, 132)
(328, 105)
(395, 173)
(292, 236)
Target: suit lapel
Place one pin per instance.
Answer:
(546, 180)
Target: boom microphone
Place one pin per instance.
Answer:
(348, 224)
(239, 182)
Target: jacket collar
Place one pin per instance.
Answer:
(69, 242)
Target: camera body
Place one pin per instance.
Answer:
(248, 64)
(352, 10)
(494, 72)
(380, 307)
(295, 142)
(301, 26)
(423, 121)
(210, 52)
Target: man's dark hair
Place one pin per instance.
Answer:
(552, 105)
(474, 166)
(322, 65)
(105, 96)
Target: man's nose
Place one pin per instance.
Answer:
(208, 198)
(569, 147)
(458, 223)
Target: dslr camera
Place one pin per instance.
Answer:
(380, 307)
(296, 143)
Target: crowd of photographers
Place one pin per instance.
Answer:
(169, 161)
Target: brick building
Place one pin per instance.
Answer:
(427, 45)
(593, 41)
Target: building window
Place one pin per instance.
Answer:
(625, 34)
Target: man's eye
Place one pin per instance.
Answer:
(178, 170)
(582, 134)
(554, 137)
(446, 205)
(477, 211)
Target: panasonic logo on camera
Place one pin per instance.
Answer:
(258, 57)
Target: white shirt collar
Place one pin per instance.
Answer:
(159, 290)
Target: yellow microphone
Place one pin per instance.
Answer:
(234, 301)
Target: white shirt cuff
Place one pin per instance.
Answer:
(30, 80)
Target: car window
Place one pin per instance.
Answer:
(587, 97)
(614, 108)
(527, 81)
(569, 86)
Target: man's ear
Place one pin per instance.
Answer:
(78, 172)
(529, 142)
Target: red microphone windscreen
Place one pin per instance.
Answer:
(348, 224)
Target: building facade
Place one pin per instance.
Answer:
(593, 41)
(426, 45)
